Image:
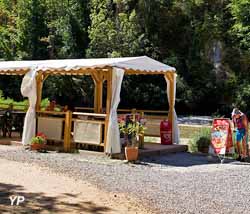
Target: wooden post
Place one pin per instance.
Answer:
(98, 81)
(95, 96)
(39, 86)
(108, 105)
(100, 96)
(67, 132)
(134, 114)
(170, 76)
(141, 138)
(40, 78)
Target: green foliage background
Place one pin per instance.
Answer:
(208, 41)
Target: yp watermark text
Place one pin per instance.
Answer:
(16, 200)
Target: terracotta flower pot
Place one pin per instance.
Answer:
(37, 146)
(131, 153)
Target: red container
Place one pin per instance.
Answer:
(166, 132)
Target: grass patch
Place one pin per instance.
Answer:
(186, 132)
(152, 139)
(189, 131)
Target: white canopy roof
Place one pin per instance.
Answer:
(142, 63)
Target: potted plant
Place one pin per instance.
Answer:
(131, 130)
(200, 141)
(38, 142)
(203, 144)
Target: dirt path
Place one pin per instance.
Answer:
(47, 192)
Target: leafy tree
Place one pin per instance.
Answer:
(206, 40)
(241, 29)
(243, 96)
(79, 91)
(114, 30)
(7, 29)
(67, 23)
(31, 28)
(10, 85)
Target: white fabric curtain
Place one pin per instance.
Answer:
(113, 136)
(28, 89)
(176, 133)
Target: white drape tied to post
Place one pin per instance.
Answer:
(113, 136)
(176, 133)
(28, 89)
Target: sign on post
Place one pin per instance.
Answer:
(221, 139)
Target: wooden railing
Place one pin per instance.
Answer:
(69, 119)
(79, 109)
(51, 112)
(97, 133)
(147, 113)
(143, 111)
(65, 118)
(89, 114)
(153, 118)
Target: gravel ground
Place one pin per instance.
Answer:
(55, 193)
(178, 183)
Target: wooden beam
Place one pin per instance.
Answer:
(85, 71)
(139, 72)
(83, 109)
(14, 72)
(45, 76)
(89, 114)
(51, 112)
(96, 76)
(81, 71)
(89, 121)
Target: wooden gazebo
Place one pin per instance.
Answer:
(106, 69)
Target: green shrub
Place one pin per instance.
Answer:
(44, 103)
(200, 140)
(22, 105)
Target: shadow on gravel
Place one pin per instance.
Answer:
(40, 203)
(185, 160)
